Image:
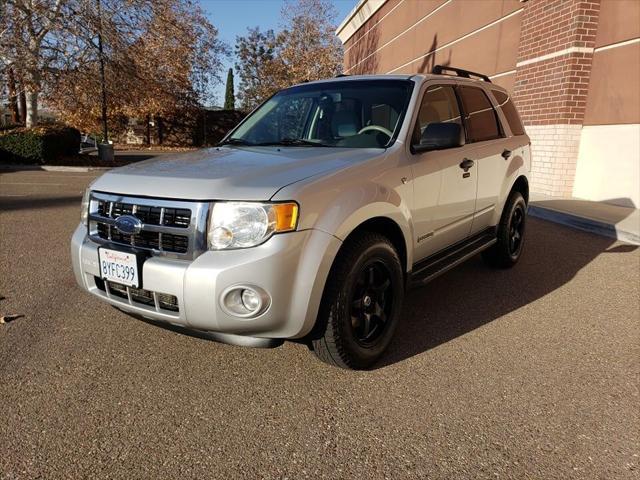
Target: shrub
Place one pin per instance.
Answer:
(11, 126)
(39, 145)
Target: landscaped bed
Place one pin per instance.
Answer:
(57, 145)
(41, 145)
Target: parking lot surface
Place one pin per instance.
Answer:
(527, 373)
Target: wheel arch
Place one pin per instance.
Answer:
(382, 225)
(521, 185)
(388, 228)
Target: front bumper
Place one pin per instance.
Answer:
(292, 268)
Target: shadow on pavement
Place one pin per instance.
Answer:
(122, 159)
(473, 295)
(21, 203)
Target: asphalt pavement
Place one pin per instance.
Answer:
(530, 373)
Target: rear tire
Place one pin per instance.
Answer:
(506, 252)
(361, 303)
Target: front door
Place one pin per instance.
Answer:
(445, 181)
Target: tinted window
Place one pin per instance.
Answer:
(510, 112)
(480, 117)
(439, 105)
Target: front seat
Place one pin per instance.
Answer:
(344, 123)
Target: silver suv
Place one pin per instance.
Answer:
(313, 216)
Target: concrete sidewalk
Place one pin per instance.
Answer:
(614, 221)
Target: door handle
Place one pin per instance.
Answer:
(466, 164)
(506, 154)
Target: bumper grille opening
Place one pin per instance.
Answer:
(168, 302)
(139, 296)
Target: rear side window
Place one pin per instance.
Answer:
(480, 117)
(509, 109)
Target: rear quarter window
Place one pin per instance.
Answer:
(480, 117)
(505, 103)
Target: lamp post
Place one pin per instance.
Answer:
(105, 149)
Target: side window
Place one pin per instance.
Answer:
(509, 110)
(480, 117)
(439, 105)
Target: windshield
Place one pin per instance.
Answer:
(352, 113)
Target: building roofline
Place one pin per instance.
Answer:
(357, 17)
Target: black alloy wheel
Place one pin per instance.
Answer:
(361, 304)
(516, 230)
(372, 303)
(510, 234)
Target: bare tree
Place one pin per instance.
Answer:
(310, 48)
(25, 44)
(305, 49)
(159, 54)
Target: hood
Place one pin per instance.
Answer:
(228, 173)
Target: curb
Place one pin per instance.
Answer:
(51, 168)
(585, 224)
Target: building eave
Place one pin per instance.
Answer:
(362, 12)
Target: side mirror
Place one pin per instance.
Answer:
(438, 136)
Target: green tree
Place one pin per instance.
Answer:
(229, 97)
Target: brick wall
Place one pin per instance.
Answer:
(552, 82)
(553, 25)
(554, 149)
(554, 91)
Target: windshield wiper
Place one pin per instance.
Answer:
(237, 141)
(292, 142)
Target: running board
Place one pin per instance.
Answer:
(436, 265)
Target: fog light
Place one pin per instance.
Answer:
(245, 301)
(251, 299)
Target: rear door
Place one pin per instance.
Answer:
(485, 134)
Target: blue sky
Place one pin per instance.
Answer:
(233, 17)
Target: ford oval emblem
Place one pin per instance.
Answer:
(128, 224)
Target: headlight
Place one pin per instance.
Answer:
(247, 224)
(84, 207)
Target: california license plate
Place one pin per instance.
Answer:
(119, 267)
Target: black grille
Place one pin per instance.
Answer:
(139, 295)
(149, 215)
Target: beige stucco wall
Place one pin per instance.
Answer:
(608, 167)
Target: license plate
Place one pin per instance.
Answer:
(119, 267)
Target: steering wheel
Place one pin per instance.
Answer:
(378, 128)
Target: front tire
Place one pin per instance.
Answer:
(506, 252)
(361, 304)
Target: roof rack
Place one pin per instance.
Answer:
(439, 69)
(342, 75)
